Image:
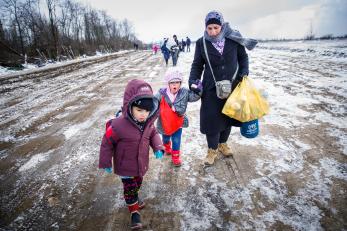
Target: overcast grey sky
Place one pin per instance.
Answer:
(155, 19)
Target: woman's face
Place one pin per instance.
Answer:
(213, 30)
(174, 87)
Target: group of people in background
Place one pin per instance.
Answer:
(185, 43)
(172, 48)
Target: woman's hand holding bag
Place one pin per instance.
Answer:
(245, 103)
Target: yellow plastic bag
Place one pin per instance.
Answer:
(245, 103)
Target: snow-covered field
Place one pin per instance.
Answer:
(293, 176)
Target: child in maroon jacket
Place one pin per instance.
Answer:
(127, 140)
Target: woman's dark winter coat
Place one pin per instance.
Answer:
(212, 120)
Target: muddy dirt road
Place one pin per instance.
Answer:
(292, 177)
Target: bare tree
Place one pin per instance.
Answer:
(51, 4)
(127, 28)
(68, 28)
(31, 22)
(15, 10)
(2, 33)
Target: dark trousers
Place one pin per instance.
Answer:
(131, 186)
(214, 139)
(166, 61)
(174, 56)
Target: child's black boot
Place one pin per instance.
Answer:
(135, 216)
(136, 221)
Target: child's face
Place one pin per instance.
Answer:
(174, 87)
(140, 114)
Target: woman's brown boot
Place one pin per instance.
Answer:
(224, 149)
(211, 156)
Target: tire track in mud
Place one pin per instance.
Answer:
(47, 98)
(102, 89)
(51, 115)
(54, 71)
(47, 90)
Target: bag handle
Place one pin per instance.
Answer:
(209, 64)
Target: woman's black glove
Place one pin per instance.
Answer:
(196, 87)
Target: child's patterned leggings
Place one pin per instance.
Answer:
(131, 186)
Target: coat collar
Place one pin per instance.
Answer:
(211, 50)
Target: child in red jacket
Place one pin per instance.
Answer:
(173, 104)
(127, 140)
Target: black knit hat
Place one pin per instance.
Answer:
(144, 103)
(213, 21)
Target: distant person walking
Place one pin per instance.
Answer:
(183, 45)
(225, 49)
(165, 51)
(155, 48)
(188, 44)
(175, 39)
(136, 46)
(173, 45)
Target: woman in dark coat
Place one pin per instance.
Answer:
(227, 55)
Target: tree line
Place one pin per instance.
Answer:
(324, 37)
(58, 29)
